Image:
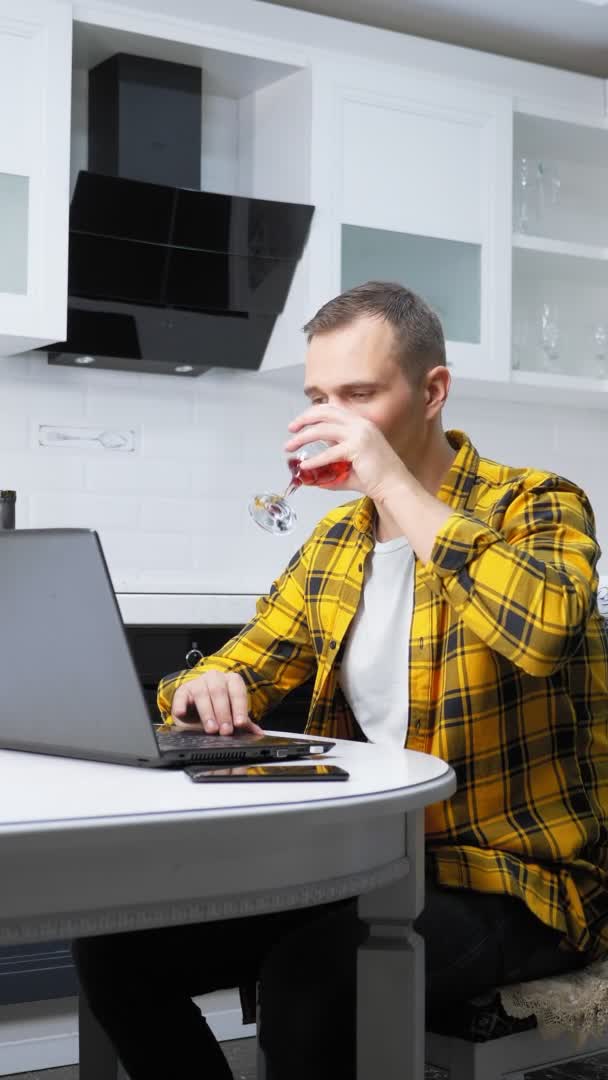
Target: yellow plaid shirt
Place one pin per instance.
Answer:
(508, 677)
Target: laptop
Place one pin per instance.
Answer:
(68, 684)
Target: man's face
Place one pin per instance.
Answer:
(355, 368)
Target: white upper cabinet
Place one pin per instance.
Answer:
(560, 252)
(421, 194)
(35, 67)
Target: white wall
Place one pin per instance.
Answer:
(173, 514)
(569, 441)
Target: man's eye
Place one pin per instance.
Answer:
(316, 401)
(363, 394)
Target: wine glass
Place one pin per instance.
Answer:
(548, 186)
(273, 512)
(600, 340)
(520, 341)
(522, 196)
(550, 336)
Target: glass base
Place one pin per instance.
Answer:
(272, 513)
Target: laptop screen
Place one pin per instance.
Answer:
(69, 685)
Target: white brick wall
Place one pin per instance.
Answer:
(569, 441)
(173, 514)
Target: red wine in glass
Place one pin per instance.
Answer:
(322, 477)
(273, 512)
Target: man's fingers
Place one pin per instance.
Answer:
(254, 728)
(181, 700)
(204, 706)
(237, 693)
(181, 725)
(221, 706)
(194, 697)
(220, 700)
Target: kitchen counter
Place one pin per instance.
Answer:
(180, 604)
(185, 608)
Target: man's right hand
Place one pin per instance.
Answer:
(217, 702)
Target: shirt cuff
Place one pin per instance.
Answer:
(460, 539)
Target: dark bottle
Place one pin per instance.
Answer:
(7, 509)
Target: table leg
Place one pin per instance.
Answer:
(390, 973)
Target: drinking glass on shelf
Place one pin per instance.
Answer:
(550, 336)
(548, 185)
(522, 196)
(520, 341)
(600, 341)
(273, 512)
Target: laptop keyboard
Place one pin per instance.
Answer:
(191, 740)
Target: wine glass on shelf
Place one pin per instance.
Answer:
(273, 512)
(548, 187)
(600, 341)
(520, 341)
(550, 336)
(522, 196)
(553, 182)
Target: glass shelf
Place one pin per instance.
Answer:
(559, 247)
(560, 251)
(560, 180)
(14, 197)
(447, 273)
(571, 296)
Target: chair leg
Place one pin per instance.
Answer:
(97, 1056)
(464, 1060)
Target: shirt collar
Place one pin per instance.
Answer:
(463, 472)
(455, 489)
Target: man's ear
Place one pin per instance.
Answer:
(436, 389)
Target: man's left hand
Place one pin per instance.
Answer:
(374, 464)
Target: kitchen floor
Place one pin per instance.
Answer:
(241, 1056)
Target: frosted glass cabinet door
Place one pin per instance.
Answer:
(423, 197)
(14, 216)
(35, 79)
(445, 272)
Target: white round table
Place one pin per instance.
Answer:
(90, 848)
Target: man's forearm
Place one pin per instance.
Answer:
(417, 514)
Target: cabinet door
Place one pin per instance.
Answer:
(422, 196)
(35, 81)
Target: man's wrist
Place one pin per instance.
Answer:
(418, 514)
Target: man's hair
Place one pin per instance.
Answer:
(419, 341)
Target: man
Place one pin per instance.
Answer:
(452, 609)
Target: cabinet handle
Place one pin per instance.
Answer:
(194, 655)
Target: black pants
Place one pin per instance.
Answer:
(140, 985)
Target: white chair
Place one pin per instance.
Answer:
(572, 1016)
(511, 1056)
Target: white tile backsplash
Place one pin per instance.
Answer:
(135, 405)
(190, 516)
(43, 402)
(174, 514)
(14, 430)
(191, 445)
(144, 476)
(35, 472)
(74, 510)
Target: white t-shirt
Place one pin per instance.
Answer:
(374, 676)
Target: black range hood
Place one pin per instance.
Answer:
(163, 277)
